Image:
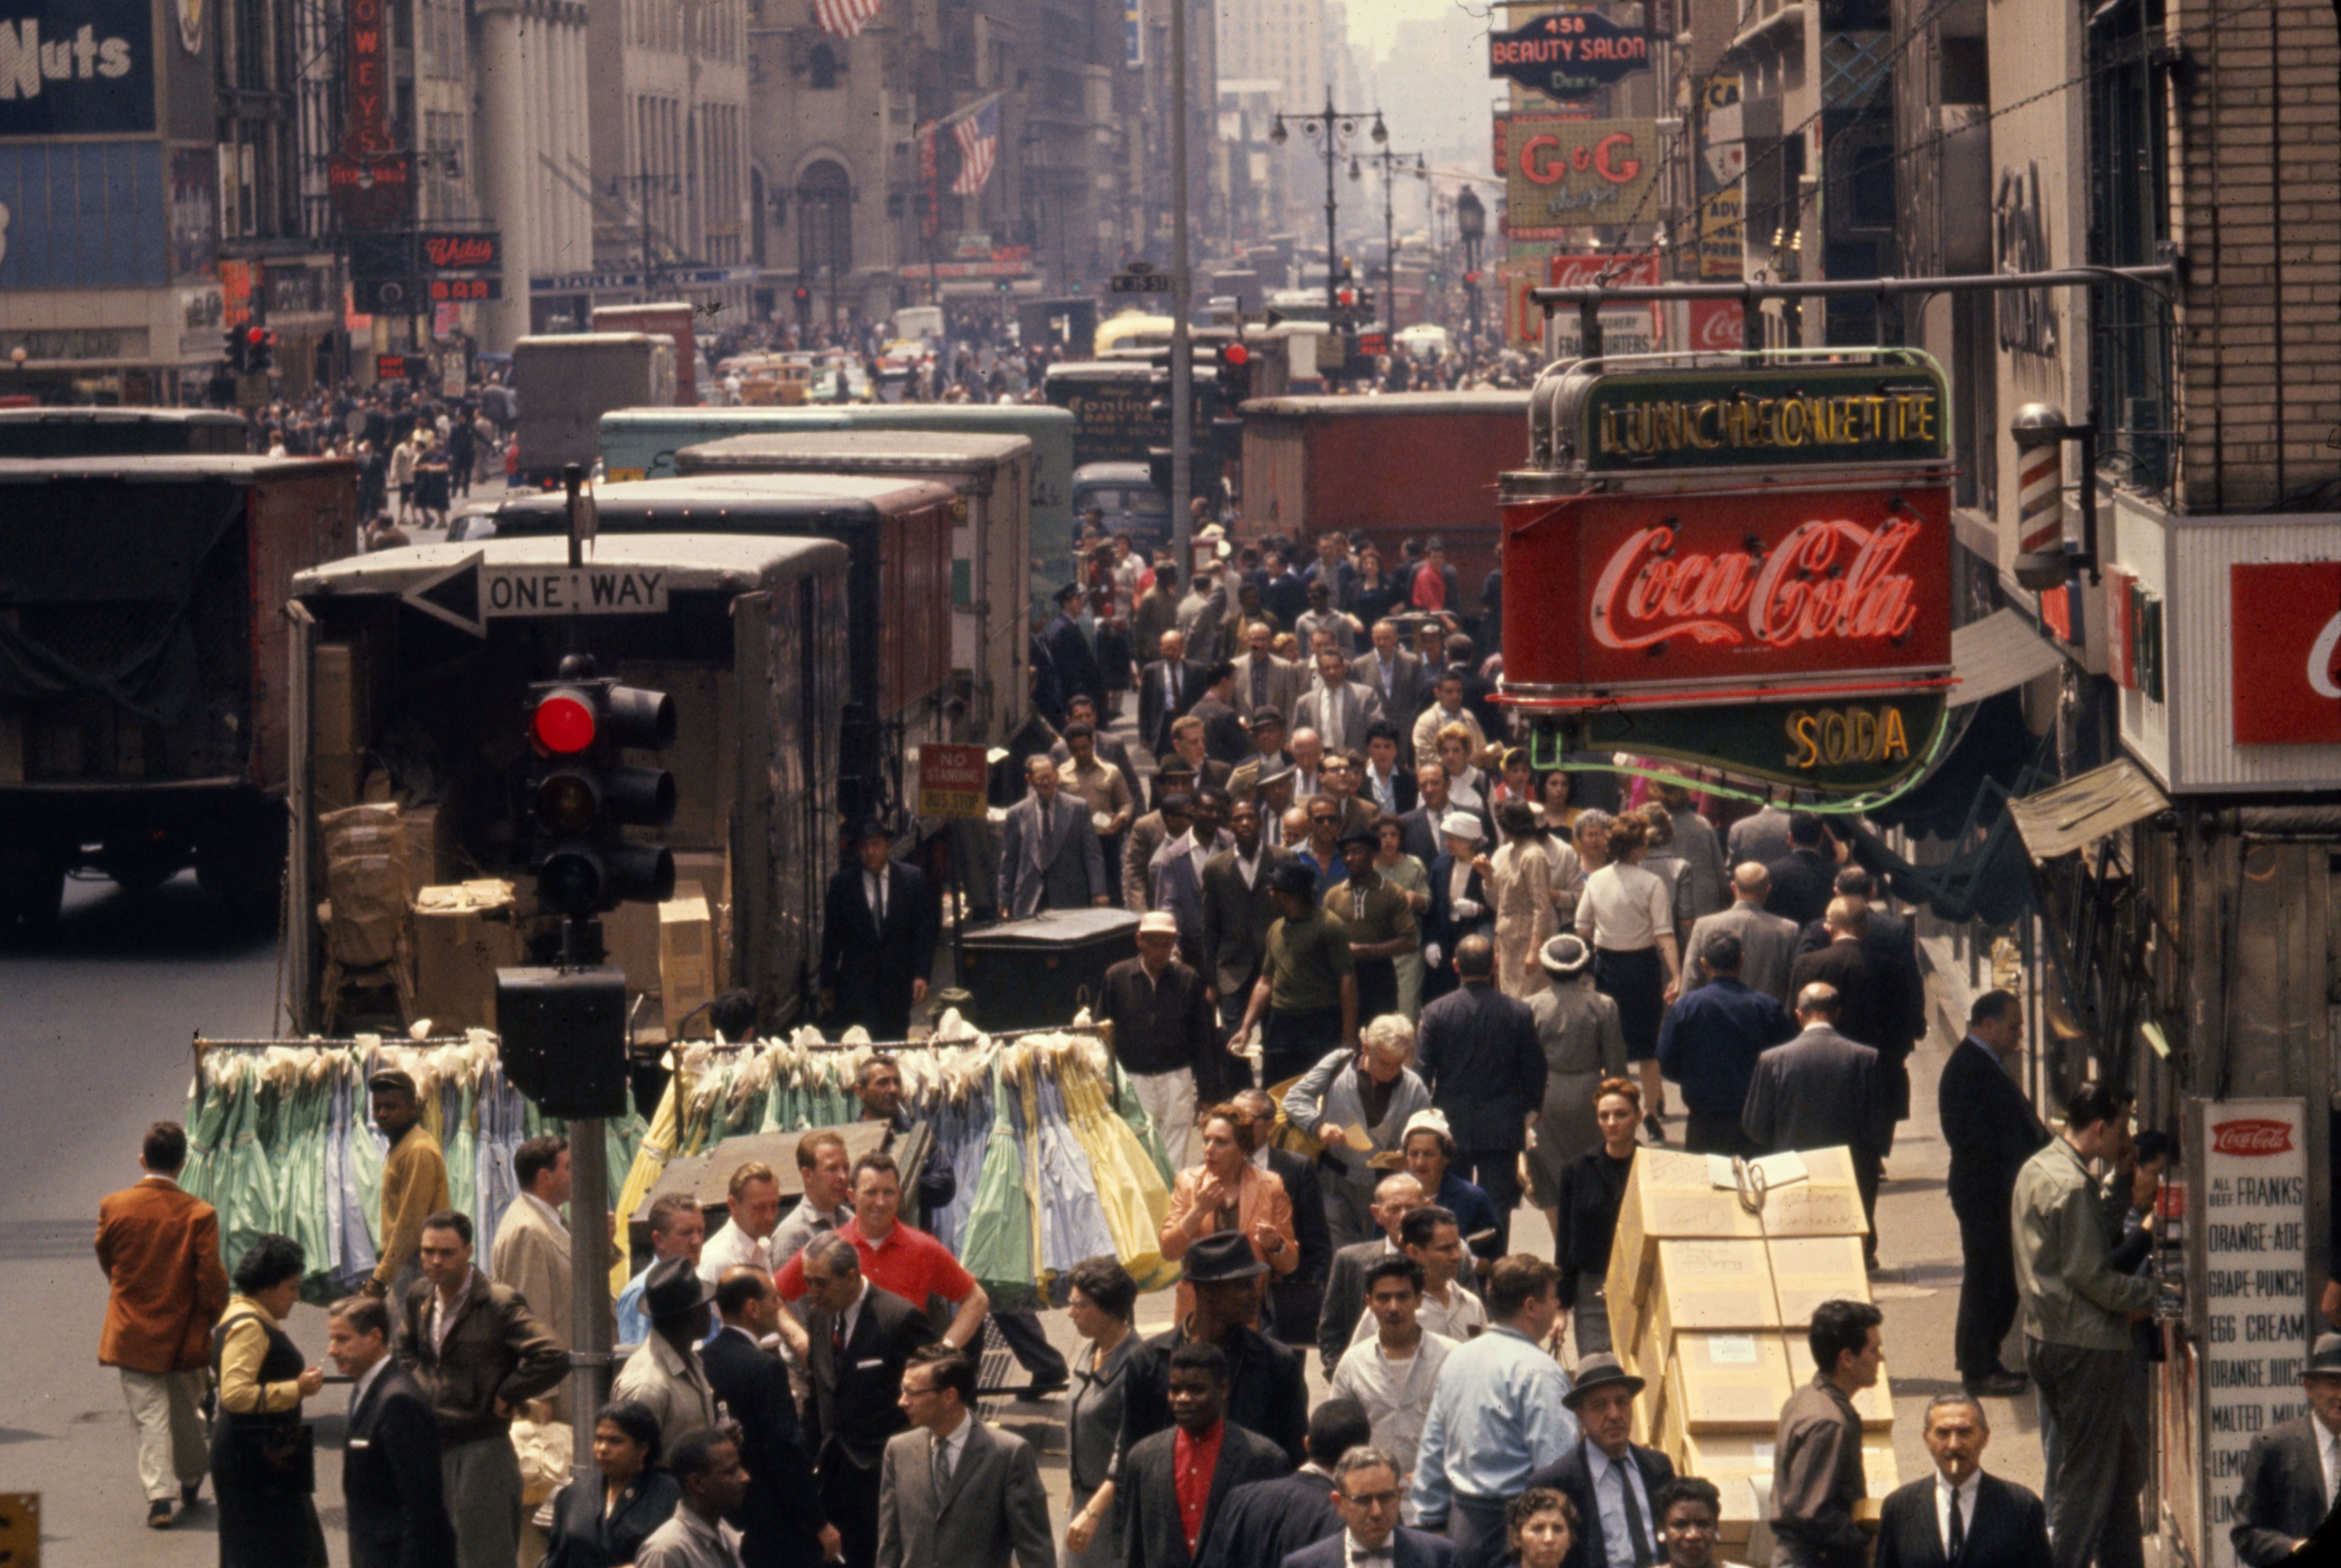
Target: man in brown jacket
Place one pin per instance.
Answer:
(478, 1351)
(413, 1182)
(160, 1248)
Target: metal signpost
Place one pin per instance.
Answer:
(953, 784)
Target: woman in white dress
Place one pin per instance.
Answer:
(1627, 916)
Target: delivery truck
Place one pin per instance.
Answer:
(143, 667)
(567, 382)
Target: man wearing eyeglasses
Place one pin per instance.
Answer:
(1367, 1492)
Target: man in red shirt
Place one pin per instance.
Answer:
(895, 1257)
(1177, 1480)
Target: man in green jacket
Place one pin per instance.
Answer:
(2077, 1315)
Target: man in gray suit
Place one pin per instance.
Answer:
(1337, 707)
(1399, 678)
(2286, 1496)
(953, 1489)
(1768, 942)
(1818, 1091)
(1048, 854)
(1262, 679)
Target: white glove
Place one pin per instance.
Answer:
(1469, 908)
(1432, 954)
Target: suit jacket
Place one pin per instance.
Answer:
(389, 1479)
(2283, 1497)
(1989, 1127)
(1040, 852)
(1355, 704)
(1571, 1475)
(1155, 1536)
(1870, 988)
(1294, 1299)
(1075, 661)
(1803, 881)
(853, 1410)
(1477, 1051)
(1146, 836)
(1176, 886)
(1441, 924)
(1154, 716)
(1236, 918)
(871, 967)
(532, 1255)
(1265, 1522)
(1402, 698)
(1819, 1090)
(1285, 682)
(781, 1520)
(2009, 1529)
(160, 1248)
(1408, 1549)
(1892, 950)
(1345, 1299)
(1762, 837)
(991, 1505)
(1767, 947)
(583, 1537)
(1402, 787)
(1225, 739)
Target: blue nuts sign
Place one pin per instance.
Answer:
(77, 68)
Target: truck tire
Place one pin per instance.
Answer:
(32, 895)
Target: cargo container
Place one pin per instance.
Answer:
(566, 384)
(121, 431)
(990, 538)
(673, 319)
(142, 651)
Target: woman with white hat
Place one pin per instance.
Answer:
(1583, 1043)
(1460, 905)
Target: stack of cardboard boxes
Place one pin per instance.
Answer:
(1711, 1289)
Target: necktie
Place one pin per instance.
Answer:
(942, 1467)
(1259, 685)
(1958, 1538)
(1170, 684)
(837, 1341)
(1635, 1534)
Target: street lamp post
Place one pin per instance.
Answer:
(1392, 163)
(1471, 226)
(1335, 126)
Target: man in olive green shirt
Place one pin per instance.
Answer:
(2078, 1310)
(1308, 982)
(1380, 922)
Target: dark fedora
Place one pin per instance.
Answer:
(672, 1289)
(392, 1081)
(1221, 1256)
(1599, 1370)
(2324, 1358)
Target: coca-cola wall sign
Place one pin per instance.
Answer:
(2285, 625)
(1678, 597)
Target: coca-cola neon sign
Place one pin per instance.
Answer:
(1827, 580)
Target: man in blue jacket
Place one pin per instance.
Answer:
(1710, 1044)
(1478, 1053)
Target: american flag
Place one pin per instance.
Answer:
(844, 18)
(978, 135)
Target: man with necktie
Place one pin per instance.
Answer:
(1959, 1517)
(1337, 707)
(1611, 1479)
(955, 1489)
(1168, 686)
(878, 931)
(1399, 678)
(390, 1483)
(1367, 1491)
(2292, 1474)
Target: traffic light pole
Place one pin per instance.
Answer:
(590, 1354)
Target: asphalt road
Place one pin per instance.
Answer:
(96, 1029)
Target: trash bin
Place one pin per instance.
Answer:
(1036, 974)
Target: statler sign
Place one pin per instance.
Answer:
(1747, 569)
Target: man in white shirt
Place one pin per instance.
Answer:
(1448, 710)
(1433, 1238)
(1368, 1492)
(747, 1237)
(951, 1489)
(1961, 1515)
(1392, 1374)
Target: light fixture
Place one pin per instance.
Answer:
(1381, 132)
(1280, 135)
(1356, 173)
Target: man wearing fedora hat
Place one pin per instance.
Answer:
(1458, 895)
(1267, 1387)
(2292, 1474)
(1611, 1479)
(666, 1373)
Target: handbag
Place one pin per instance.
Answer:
(284, 1454)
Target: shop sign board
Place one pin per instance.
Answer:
(78, 68)
(953, 780)
(1827, 744)
(2248, 1214)
(1568, 54)
(2285, 625)
(1562, 171)
(1800, 415)
(1625, 328)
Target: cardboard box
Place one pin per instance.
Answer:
(686, 962)
(1668, 1196)
(431, 851)
(1874, 1405)
(1710, 1285)
(711, 870)
(463, 933)
(630, 939)
(1725, 1383)
(1826, 1202)
(341, 699)
(1809, 1270)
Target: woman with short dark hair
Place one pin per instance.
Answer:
(264, 1465)
(602, 1525)
(1102, 1297)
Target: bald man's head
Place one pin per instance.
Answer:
(1751, 882)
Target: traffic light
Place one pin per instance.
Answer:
(235, 349)
(583, 795)
(259, 350)
(804, 303)
(1234, 377)
(560, 1035)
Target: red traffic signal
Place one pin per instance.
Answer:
(255, 334)
(564, 722)
(1234, 355)
(586, 796)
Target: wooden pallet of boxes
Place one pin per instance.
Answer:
(1711, 1287)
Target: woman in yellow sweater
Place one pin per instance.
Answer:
(264, 1468)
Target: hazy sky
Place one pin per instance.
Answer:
(1374, 22)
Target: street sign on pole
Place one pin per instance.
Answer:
(1139, 278)
(953, 780)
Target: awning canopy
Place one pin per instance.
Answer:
(2082, 810)
(1999, 653)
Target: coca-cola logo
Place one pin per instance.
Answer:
(1717, 327)
(1576, 272)
(460, 250)
(2252, 1137)
(1827, 580)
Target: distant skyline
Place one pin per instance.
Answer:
(1374, 23)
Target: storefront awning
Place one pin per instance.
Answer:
(2082, 810)
(1999, 653)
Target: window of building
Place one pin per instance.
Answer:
(821, 66)
(824, 221)
(2129, 222)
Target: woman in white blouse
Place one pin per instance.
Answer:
(1627, 916)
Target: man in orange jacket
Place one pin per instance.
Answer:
(160, 1248)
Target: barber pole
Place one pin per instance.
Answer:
(2040, 498)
